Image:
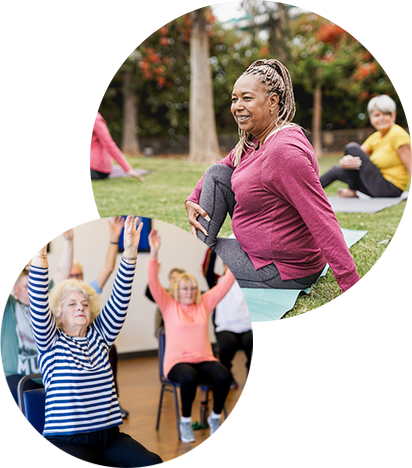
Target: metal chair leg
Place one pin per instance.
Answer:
(177, 414)
(160, 407)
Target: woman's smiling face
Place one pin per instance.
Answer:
(75, 314)
(251, 107)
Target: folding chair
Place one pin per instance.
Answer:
(32, 402)
(170, 386)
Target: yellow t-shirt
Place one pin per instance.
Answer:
(384, 155)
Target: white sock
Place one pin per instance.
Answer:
(213, 415)
(183, 419)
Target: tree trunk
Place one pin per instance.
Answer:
(278, 34)
(130, 140)
(203, 143)
(317, 121)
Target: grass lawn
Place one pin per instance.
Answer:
(173, 179)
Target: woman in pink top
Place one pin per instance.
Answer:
(103, 149)
(285, 228)
(188, 355)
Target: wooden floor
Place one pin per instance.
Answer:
(139, 390)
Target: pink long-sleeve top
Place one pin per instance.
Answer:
(186, 326)
(282, 215)
(103, 149)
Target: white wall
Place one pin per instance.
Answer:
(179, 249)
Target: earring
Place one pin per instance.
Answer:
(271, 112)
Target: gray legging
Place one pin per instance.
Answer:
(218, 199)
(367, 179)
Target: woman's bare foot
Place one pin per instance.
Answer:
(347, 193)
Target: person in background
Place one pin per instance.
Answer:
(233, 329)
(103, 149)
(381, 166)
(18, 350)
(188, 355)
(73, 338)
(115, 228)
(173, 274)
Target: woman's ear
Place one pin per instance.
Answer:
(273, 103)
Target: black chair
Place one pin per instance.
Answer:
(32, 402)
(170, 386)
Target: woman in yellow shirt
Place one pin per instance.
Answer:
(381, 166)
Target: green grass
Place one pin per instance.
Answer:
(173, 179)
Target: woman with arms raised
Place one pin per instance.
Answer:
(73, 341)
(285, 228)
(188, 355)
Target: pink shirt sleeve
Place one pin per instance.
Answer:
(161, 297)
(212, 297)
(300, 186)
(195, 195)
(102, 133)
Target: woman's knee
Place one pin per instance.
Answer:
(219, 173)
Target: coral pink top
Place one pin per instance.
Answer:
(103, 149)
(187, 326)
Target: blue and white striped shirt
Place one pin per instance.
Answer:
(80, 395)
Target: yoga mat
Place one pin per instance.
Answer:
(118, 171)
(364, 204)
(272, 304)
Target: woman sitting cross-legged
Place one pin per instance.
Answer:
(73, 341)
(188, 356)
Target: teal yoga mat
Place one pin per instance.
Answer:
(272, 304)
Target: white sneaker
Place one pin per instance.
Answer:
(186, 432)
(214, 424)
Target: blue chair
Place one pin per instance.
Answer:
(170, 386)
(32, 402)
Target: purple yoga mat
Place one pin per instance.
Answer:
(118, 171)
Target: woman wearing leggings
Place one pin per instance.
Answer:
(188, 356)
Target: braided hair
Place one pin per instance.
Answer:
(275, 76)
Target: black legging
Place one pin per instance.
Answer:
(108, 447)
(229, 343)
(218, 199)
(189, 375)
(367, 179)
(97, 175)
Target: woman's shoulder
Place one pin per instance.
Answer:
(399, 131)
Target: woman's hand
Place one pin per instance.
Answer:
(42, 234)
(131, 237)
(67, 229)
(133, 173)
(155, 242)
(115, 228)
(193, 212)
(350, 162)
(357, 297)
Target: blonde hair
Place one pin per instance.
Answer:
(23, 271)
(275, 76)
(60, 292)
(185, 277)
(79, 265)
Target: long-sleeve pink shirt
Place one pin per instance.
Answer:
(282, 215)
(186, 326)
(103, 149)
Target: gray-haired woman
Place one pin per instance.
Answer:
(381, 167)
(285, 228)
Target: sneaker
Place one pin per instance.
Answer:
(123, 413)
(214, 424)
(17, 460)
(186, 432)
(234, 385)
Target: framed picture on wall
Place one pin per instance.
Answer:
(144, 236)
(19, 235)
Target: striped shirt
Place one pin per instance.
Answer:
(80, 391)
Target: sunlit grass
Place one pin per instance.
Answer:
(172, 180)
